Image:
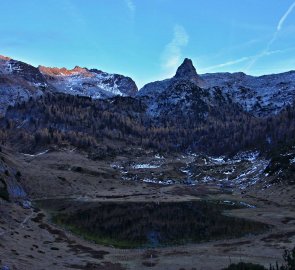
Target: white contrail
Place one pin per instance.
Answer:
(240, 60)
(274, 37)
(226, 64)
(285, 16)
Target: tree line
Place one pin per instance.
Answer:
(59, 119)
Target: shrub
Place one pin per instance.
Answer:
(289, 264)
(3, 190)
(289, 258)
(245, 266)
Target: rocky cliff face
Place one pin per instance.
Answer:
(184, 96)
(260, 96)
(185, 72)
(20, 81)
(93, 83)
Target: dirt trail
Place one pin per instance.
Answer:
(21, 225)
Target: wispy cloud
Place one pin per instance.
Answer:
(274, 37)
(172, 54)
(240, 60)
(131, 6)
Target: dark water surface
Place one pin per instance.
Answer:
(149, 224)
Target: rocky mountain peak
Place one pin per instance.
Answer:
(5, 58)
(186, 73)
(79, 69)
(186, 70)
(85, 82)
(54, 71)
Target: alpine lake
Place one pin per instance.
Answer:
(150, 224)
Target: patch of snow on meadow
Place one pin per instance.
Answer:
(145, 166)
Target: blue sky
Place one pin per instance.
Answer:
(148, 39)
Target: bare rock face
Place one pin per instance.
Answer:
(183, 94)
(185, 72)
(93, 83)
(27, 72)
(260, 96)
(20, 81)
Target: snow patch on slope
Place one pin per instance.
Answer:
(262, 96)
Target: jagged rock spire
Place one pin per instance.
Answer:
(186, 70)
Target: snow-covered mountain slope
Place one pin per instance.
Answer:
(260, 96)
(182, 97)
(18, 82)
(93, 83)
